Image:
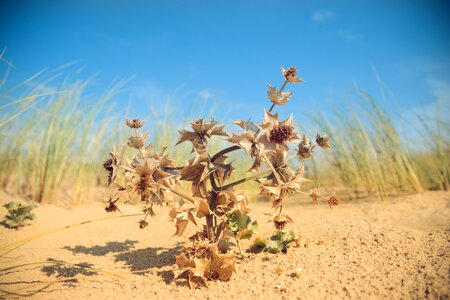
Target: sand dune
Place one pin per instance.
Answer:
(361, 250)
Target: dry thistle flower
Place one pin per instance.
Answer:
(278, 191)
(333, 201)
(147, 182)
(278, 98)
(314, 195)
(323, 141)
(202, 131)
(277, 133)
(304, 149)
(280, 164)
(136, 141)
(111, 204)
(291, 75)
(280, 221)
(147, 151)
(108, 166)
(134, 123)
(111, 165)
(143, 224)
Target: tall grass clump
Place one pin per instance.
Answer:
(432, 158)
(48, 151)
(372, 157)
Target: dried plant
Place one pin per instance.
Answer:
(214, 207)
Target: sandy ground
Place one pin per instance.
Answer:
(361, 250)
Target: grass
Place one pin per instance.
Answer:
(52, 139)
(370, 156)
(48, 151)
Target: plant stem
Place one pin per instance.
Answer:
(140, 151)
(283, 86)
(277, 176)
(240, 181)
(223, 152)
(182, 195)
(240, 247)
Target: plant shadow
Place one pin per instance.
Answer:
(135, 260)
(149, 258)
(67, 271)
(110, 247)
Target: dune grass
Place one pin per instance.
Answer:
(371, 157)
(49, 150)
(53, 138)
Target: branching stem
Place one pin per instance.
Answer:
(182, 195)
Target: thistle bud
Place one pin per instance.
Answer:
(143, 224)
(314, 195)
(108, 166)
(136, 142)
(291, 75)
(323, 141)
(333, 201)
(304, 149)
(111, 204)
(281, 221)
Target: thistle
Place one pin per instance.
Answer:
(213, 207)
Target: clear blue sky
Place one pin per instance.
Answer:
(223, 53)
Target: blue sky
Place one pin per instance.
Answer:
(221, 53)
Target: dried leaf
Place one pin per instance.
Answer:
(181, 225)
(201, 132)
(202, 209)
(223, 266)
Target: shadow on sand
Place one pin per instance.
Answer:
(68, 271)
(149, 258)
(110, 247)
(135, 260)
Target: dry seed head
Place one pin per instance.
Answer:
(304, 149)
(108, 166)
(136, 142)
(323, 141)
(314, 195)
(281, 133)
(281, 221)
(143, 224)
(111, 204)
(291, 75)
(333, 201)
(134, 123)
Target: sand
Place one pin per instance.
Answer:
(397, 249)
